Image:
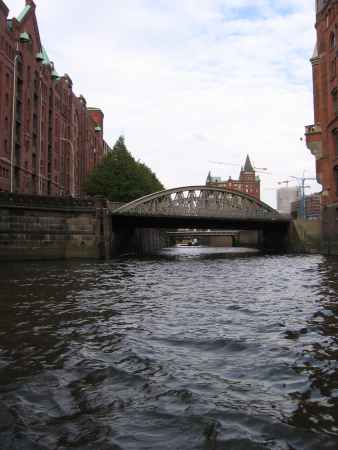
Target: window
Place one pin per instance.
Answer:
(335, 101)
(332, 40)
(335, 140)
(333, 69)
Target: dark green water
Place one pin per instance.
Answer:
(192, 349)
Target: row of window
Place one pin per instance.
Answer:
(244, 188)
(4, 172)
(7, 48)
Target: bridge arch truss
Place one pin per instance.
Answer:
(199, 201)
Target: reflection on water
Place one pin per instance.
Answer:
(191, 349)
(205, 252)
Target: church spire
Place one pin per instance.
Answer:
(248, 166)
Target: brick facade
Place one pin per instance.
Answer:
(322, 136)
(248, 182)
(49, 139)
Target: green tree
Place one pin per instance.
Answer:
(120, 178)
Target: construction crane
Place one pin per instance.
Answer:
(287, 182)
(301, 183)
(263, 169)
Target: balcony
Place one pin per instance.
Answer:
(313, 135)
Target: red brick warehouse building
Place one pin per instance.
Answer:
(49, 139)
(248, 182)
(322, 136)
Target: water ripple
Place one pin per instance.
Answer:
(190, 350)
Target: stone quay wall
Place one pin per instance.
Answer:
(37, 228)
(305, 236)
(330, 230)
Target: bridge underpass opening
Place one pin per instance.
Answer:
(197, 207)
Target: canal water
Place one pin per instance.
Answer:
(192, 349)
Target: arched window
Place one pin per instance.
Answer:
(332, 40)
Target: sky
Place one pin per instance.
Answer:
(193, 82)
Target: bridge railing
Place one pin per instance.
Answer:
(201, 212)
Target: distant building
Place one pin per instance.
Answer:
(248, 182)
(312, 207)
(285, 197)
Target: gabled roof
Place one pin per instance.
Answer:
(4, 8)
(27, 14)
(248, 166)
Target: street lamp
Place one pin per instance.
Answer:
(73, 164)
(24, 38)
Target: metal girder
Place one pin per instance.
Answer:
(199, 201)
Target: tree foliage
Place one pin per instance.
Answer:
(120, 178)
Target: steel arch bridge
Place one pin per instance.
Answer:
(200, 202)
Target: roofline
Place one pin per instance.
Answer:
(4, 8)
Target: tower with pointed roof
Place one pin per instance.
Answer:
(247, 173)
(248, 182)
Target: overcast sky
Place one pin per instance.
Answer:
(192, 81)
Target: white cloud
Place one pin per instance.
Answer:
(189, 81)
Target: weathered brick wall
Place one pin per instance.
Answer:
(52, 228)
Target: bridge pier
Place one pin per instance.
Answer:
(147, 240)
(141, 241)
